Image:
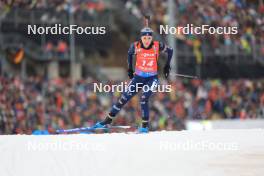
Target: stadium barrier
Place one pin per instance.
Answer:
(224, 124)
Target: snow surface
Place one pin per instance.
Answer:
(182, 153)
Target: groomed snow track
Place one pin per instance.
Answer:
(175, 153)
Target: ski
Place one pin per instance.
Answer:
(89, 129)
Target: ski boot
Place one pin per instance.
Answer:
(143, 130)
(104, 123)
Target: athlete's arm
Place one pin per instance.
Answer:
(166, 49)
(131, 52)
(169, 51)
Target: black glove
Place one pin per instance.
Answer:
(130, 73)
(166, 71)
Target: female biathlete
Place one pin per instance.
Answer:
(146, 52)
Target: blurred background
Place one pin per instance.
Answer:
(46, 81)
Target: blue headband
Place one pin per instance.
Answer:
(146, 31)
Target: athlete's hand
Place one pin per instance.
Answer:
(130, 73)
(166, 71)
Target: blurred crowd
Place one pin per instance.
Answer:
(247, 15)
(39, 104)
(58, 5)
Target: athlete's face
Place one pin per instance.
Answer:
(146, 40)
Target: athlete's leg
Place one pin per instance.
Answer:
(132, 89)
(150, 86)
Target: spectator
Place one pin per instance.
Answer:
(49, 49)
(62, 49)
